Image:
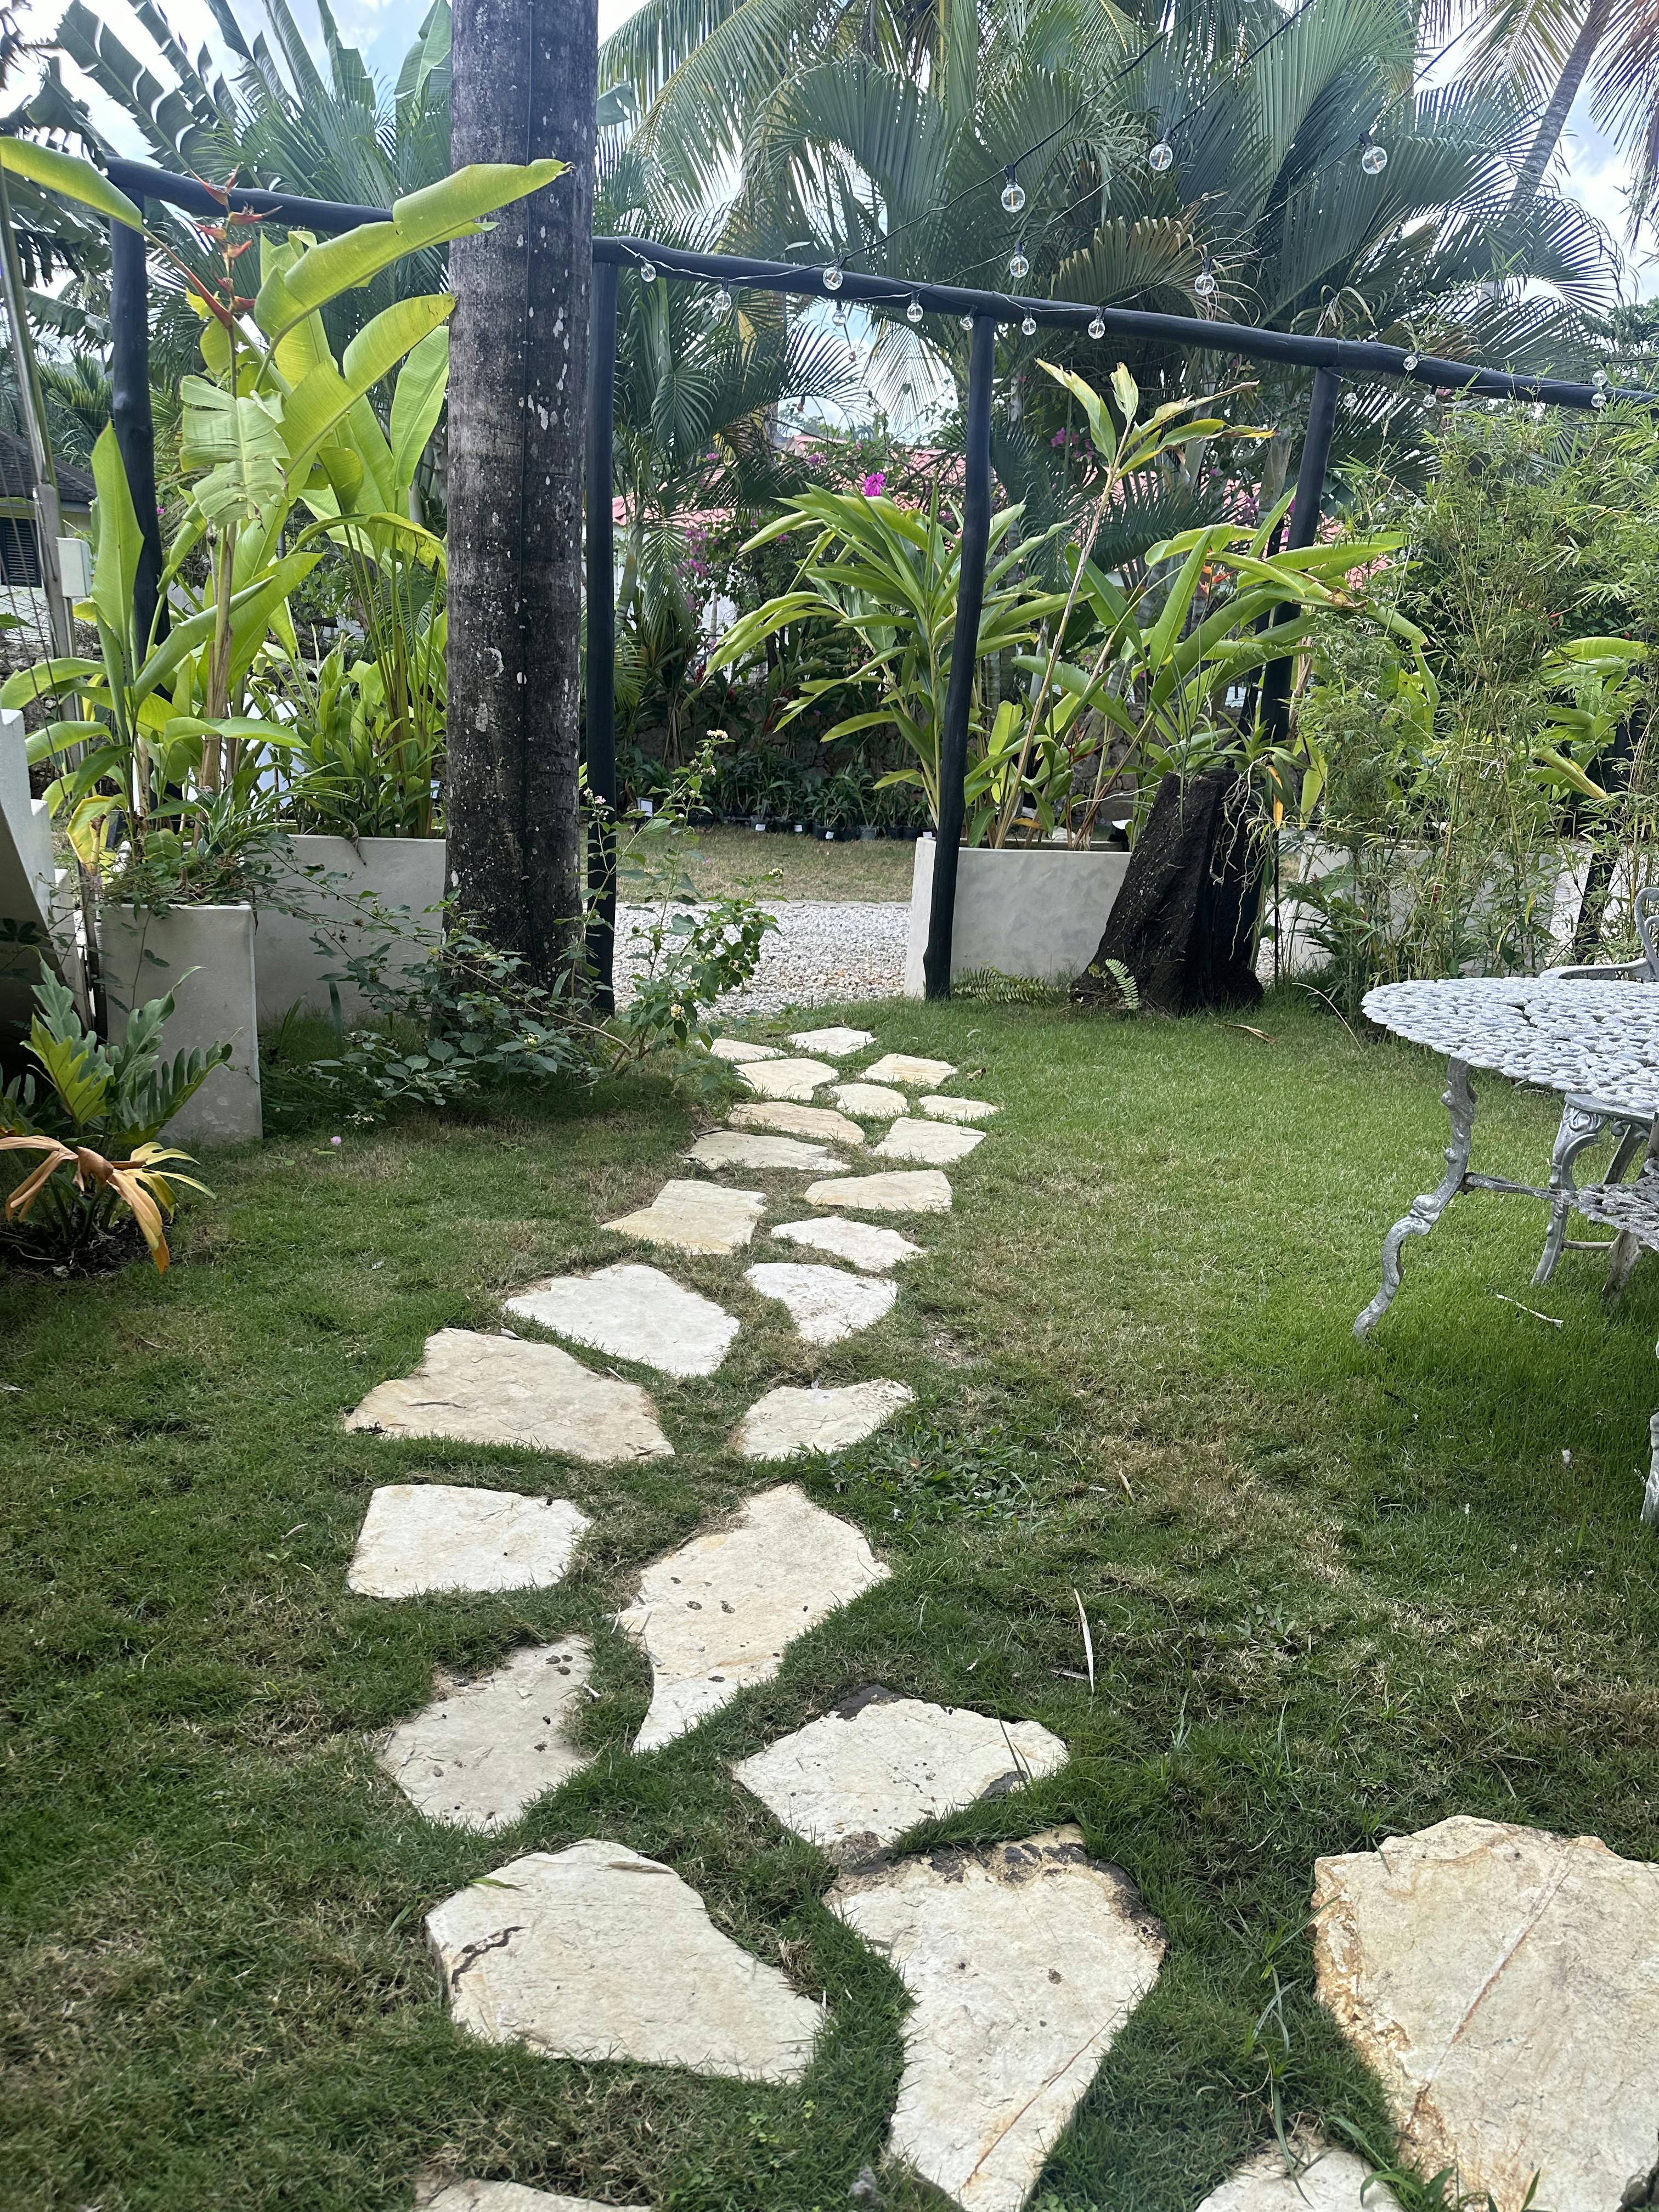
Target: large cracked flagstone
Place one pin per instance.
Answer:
(935, 1141)
(734, 1050)
(825, 1304)
(787, 1422)
(695, 1217)
(1504, 1985)
(901, 1190)
(786, 1078)
(418, 1537)
(873, 1101)
(1023, 1963)
(821, 1123)
(482, 1751)
(904, 1068)
(867, 1245)
(834, 1043)
(503, 1390)
(717, 1615)
(595, 1953)
(862, 1775)
(1325, 2179)
(958, 1110)
(633, 1312)
(752, 1148)
(510, 2197)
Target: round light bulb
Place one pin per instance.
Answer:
(1161, 157)
(967, 322)
(1410, 362)
(1431, 400)
(722, 301)
(1098, 328)
(648, 272)
(1013, 195)
(1374, 161)
(913, 313)
(1017, 264)
(1205, 283)
(841, 315)
(1028, 327)
(1598, 399)
(1599, 380)
(832, 277)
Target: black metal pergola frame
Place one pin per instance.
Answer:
(1332, 359)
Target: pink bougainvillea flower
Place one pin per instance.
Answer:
(873, 483)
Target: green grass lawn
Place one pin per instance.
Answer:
(1336, 1592)
(737, 864)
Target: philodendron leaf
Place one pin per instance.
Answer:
(239, 441)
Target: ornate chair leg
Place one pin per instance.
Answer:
(1580, 1128)
(1626, 1249)
(1650, 1496)
(1458, 1099)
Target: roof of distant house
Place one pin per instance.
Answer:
(74, 486)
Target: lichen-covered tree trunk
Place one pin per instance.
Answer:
(524, 87)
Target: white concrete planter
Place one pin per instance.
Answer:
(204, 955)
(1034, 910)
(354, 896)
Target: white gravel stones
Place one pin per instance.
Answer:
(633, 1312)
(862, 1775)
(1504, 1985)
(418, 1537)
(696, 1217)
(904, 1068)
(902, 1190)
(822, 952)
(510, 2197)
(752, 1148)
(734, 1050)
(786, 1078)
(821, 1123)
(873, 1250)
(834, 1044)
(825, 1304)
(503, 1390)
(928, 1140)
(482, 1751)
(1325, 2180)
(1024, 1963)
(788, 1422)
(595, 1953)
(716, 1615)
(957, 1110)
(873, 1101)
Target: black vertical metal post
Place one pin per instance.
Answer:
(602, 634)
(135, 427)
(1304, 528)
(964, 650)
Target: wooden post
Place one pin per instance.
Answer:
(602, 638)
(964, 648)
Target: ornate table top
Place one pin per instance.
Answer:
(1598, 1039)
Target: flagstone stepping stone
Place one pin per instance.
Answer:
(786, 1078)
(511, 2196)
(482, 1751)
(787, 1421)
(1503, 1984)
(716, 1615)
(1325, 2180)
(504, 1390)
(633, 1312)
(928, 1140)
(825, 1304)
(821, 1123)
(834, 1044)
(696, 1217)
(873, 1250)
(901, 1190)
(873, 1100)
(1023, 1963)
(862, 1775)
(751, 1148)
(903, 1067)
(958, 1110)
(595, 1953)
(737, 1052)
(418, 1537)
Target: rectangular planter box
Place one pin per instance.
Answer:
(354, 896)
(205, 955)
(1034, 910)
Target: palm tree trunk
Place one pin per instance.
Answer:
(1553, 122)
(524, 87)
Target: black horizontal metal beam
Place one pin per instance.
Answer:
(1351, 357)
(139, 182)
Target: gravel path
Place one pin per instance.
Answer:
(818, 955)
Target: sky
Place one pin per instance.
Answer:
(1595, 173)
